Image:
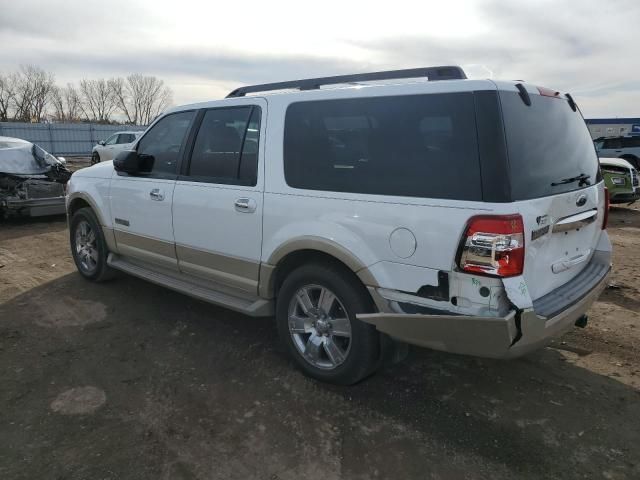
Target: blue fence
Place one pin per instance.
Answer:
(63, 138)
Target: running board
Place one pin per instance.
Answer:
(255, 306)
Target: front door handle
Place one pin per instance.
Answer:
(245, 205)
(156, 194)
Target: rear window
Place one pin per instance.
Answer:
(417, 146)
(547, 143)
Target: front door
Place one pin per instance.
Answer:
(141, 204)
(217, 203)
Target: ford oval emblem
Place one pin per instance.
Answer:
(582, 199)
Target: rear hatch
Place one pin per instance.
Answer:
(555, 183)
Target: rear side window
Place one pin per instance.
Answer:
(630, 142)
(226, 147)
(417, 146)
(548, 145)
(126, 138)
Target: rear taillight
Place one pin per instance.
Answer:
(493, 245)
(607, 202)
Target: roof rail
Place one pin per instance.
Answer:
(432, 73)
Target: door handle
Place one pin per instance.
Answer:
(156, 194)
(245, 205)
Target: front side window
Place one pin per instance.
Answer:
(111, 140)
(415, 145)
(226, 146)
(163, 143)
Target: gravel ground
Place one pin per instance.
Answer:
(127, 380)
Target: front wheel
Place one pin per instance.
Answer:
(316, 315)
(95, 158)
(88, 246)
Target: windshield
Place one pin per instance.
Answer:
(549, 146)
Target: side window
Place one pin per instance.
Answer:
(163, 142)
(414, 145)
(612, 143)
(630, 142)
(125, 138)
(226, 146)
(111, 140)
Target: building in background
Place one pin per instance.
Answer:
(613, 127)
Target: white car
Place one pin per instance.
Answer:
(363, 212)
(627, 148)
(109, 148)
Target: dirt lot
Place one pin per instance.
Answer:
(129, 380)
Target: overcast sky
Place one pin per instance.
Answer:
(202, 50)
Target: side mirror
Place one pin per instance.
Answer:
(101, 142)
(128, 161)
(62, 160)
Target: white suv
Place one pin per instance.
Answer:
(461, 215)
(109, 148)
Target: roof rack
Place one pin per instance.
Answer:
(432, 73)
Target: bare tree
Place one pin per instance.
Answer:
(97, 100)
(141, 98)
(7, 92)
(66, 103)
(32, 90)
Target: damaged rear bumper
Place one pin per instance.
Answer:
(513, 335)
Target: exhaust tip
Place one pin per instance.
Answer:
(582, 321)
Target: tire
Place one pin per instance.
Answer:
(95, 158)
(88, 246)
(341, 353)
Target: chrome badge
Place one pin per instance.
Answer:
(581, 200)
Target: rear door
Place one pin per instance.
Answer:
(217, 204)
(141, 204)
(556, 185)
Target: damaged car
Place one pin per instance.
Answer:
(32, 181)
(621, 179)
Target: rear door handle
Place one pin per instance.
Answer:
(245, 205)
(156, 195)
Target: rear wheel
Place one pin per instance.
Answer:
(316, 315)
(95, 158)
(88, 246)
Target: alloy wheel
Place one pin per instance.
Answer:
(320, 327)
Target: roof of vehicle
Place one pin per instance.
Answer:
(5, 142)
(416, 87)
(613, 137)
(615, 162)
(448, 79)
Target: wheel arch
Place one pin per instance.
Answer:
(306, 250)
(78, 200)
(632, 159)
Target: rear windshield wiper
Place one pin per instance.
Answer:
(582, 178)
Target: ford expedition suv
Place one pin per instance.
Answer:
(363, 212)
